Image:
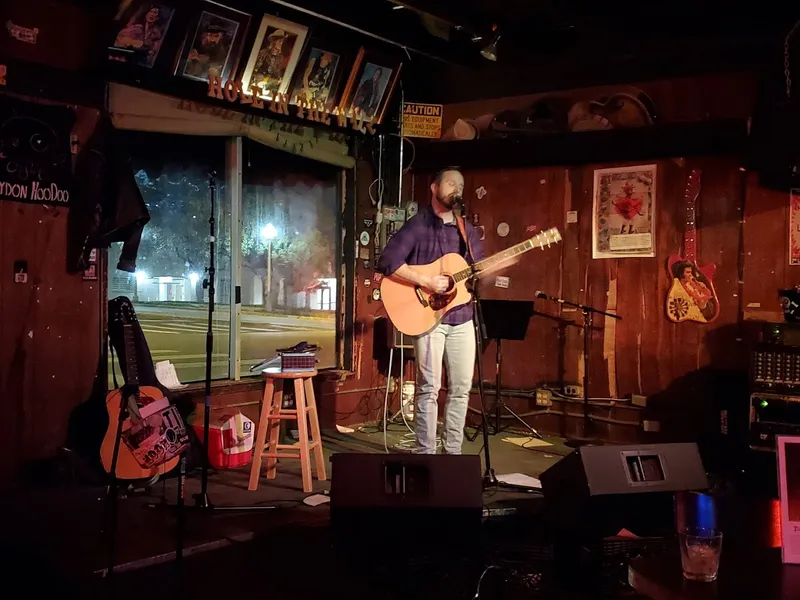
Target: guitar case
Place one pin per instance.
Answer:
(145, 368)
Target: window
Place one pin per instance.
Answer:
(290, 254)
(167, 289)
(287, 253)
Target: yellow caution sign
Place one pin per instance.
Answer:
(422, 120)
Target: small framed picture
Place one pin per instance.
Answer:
(789, 493)
(319, 75)
(140, 31)
(214, 43)
(370, 86)
(274, 57)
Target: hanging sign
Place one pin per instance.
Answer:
(422, 120)
(35, 159)
(232, 91)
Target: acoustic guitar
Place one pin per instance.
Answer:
(414, 310)
(137, 399)
(692, 296)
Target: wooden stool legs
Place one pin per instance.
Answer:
(272, 413)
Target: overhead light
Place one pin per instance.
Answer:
(490, 51)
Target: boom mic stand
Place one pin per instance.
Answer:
(588, 312)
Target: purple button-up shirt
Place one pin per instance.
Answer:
(425, 238)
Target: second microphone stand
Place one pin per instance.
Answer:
(588, 313)
(489, 478)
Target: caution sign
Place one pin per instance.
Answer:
(422, 120)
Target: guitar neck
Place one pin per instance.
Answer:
(541, 240)
(130, 356)
(690, 230)
(690, 244)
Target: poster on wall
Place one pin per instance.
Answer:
(794, 226)
(35, 158)
(142, 27)
(274, 57)
(214, 44)
(623, 212)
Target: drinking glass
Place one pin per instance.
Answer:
(700, 551)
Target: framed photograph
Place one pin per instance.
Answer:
(140, 32)
(624, 212)
(789, 494)
(371, 85)
(274, 57)
(319, 75)
(794, 226)
(214, 43)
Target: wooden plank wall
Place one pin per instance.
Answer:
(682, 368)
(49, 330)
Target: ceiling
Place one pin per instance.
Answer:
(546, 43)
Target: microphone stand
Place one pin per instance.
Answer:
(588, 312)
(202, 501)
(489, 478)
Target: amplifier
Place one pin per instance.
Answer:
(771, 415)
(775, 368)
(388, 336)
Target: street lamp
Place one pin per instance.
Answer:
(268, 232)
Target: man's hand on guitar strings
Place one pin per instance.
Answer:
(438, 284)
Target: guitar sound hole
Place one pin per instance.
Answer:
(440, 301)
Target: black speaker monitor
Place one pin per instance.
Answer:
(430, 497)
(599, 490)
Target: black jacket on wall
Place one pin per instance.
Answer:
(108, 205)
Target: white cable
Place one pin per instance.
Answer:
(480, 581)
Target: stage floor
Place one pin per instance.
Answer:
(62, 527)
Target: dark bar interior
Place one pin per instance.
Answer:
(400, 299)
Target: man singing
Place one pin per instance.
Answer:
(424, 238)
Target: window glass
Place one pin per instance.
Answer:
(290, 254)
(167, 292)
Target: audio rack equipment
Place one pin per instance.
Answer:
(774, 385)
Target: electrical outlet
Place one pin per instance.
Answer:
(652, 426)
(544, 398)
(392, 385)
(638, 400)
(573, 390)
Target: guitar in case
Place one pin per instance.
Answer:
(153, 433)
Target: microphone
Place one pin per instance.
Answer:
(458, 200)
(540, 294)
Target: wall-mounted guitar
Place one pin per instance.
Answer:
(153, 432)
(414, 310)
(692, 296)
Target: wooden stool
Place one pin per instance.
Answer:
(272, 413)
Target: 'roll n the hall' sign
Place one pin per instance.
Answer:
(232, 91)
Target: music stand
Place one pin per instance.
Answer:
(505, 320)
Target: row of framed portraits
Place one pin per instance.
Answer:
(210, 39)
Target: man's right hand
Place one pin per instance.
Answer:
(437, 283)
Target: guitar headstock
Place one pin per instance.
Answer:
(546, 237)
(122, 309)
(693, 186)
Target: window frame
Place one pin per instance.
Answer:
(344, 267)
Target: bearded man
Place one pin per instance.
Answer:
(426, 237)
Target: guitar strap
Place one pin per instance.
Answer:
(463, 231)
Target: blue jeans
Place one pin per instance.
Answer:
(455, 345)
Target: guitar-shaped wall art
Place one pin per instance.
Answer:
(153, 432)
(414, 310)
(692, 296)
